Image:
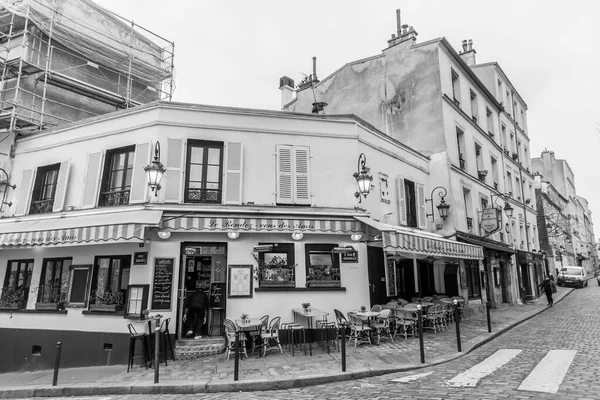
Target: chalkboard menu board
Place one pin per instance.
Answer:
(390, 276)
(163, 283)
(217, 294)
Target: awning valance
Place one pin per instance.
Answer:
(406, 240)
(485, 244)
(110, 227)
(225, 224)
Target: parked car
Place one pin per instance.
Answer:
(572, 276)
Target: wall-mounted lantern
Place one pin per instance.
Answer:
(363, 179)
(442, 207)
(155, 171)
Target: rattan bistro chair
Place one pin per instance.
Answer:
(230, 329)
(272, 334)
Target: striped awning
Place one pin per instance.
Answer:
(113, 227)
(223, 224)
(406, 241)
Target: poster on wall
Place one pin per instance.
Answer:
(240, 280)
(390, 278)
(162, 285)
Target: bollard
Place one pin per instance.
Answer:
(236, 364)
(56, 363)
(489, 321)
(157, 349)
(420, 326)
(457, 320)
(343, 328)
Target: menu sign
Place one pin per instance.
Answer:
(163, 283)
(217, 294)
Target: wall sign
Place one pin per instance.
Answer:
(384, 189)
(217, 294)
(390, 276)
(140, 258)
(240, 280)
(350, 257)
(489, 220)
(163, 283)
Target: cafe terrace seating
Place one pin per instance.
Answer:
(270, 336)
(257, 342)
(381, 325)
(230, 329)
(359, 330)
(405, 321)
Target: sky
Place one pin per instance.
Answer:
(233, 52)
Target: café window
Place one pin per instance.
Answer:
(322, 266)
(15, 291)
(116, 179)
(54, 280)
(137, 301)
(204, 171)
(473, 279)
(277, 267)
(109, 282)
(44, 189)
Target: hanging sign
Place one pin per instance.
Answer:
(489, 220)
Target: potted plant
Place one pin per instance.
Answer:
(306, 307)
(13, 298)
(245, 317)
(106, 300)
(323, 276)
(363, 309)
(275, 273)
(50, 296)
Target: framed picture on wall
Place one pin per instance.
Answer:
(240, 281)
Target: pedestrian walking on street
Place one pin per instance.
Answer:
(549, 287)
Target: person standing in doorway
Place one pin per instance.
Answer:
(196, 307)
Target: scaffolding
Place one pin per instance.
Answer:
(65, 60)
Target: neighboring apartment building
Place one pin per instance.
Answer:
(254, 209)
(471, 122)
(579, 238)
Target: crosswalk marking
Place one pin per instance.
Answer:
(411, 378)
(470, 377)
(549, 373)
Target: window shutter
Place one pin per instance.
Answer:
(284, 174)
(173, 176)
(401, 201)
(61, 186)
(422, 212)
(302, 174)
(25, 189)
(233, 174)
(139, 183)
(89, 198)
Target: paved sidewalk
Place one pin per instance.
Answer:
(275, 371)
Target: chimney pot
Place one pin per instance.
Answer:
(470, 44)
(398, 25)
(393, 36)
(315, 68)
(404, 28)
(464, 45)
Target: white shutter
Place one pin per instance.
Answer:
(25, 189)
(401, 201)
(173, 177)
(302, 175)
(233, 174)
(284, 174)
(422, 212)
(61, 186)
(89, 198)
(139, 183)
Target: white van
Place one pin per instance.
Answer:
(572, 275)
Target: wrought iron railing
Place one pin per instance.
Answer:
(41, 206)
(203, 196)
(114, 198)
(50, 293)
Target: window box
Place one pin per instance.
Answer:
(276, 283)
(323, 283)
(276, 268)
(482, 175)
(49, 306)
(12, 306)
(322, 267)
(104, 307)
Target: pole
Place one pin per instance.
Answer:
(56, 363)
(236, 364)
(343, 328)
(157, 349)
(489, 321)
(420, 322)
(457, 320)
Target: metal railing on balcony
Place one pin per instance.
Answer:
(41, 206)
(203, 196)
(114, 198)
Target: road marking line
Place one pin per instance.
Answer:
(470, 377)
(411, 378)
(550, 372)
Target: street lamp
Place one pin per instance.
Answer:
(442, 207)
(155, 171)
(363, 179)
(8, 185)
(508, 210)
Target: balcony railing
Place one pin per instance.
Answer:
(114, 198)
(203, 196)
(41, 206)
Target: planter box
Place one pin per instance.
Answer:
(324, 284)
(103, 307)
(46, 306)
(12, 306)
(266, 284)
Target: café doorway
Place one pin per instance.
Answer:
(204, 268)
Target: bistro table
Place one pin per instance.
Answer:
(309, 315)
(369, 317)
(247, 326)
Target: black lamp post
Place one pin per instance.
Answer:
(363, 179)
(442, 207)
(155, 171)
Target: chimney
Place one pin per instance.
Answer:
(404, 33)
(315, 80)
(286, 85)
(468, 53)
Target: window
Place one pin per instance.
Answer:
(137, 300)
(455, 87)
(78, 285)
(460, 142)
(507, 103)
(474, 112)
(293, 175)
(490, 121)
(505, 138)
(322, 266)
(204, 172)
(500, 91)
(511, 145)
(509, 182)
(484, 205)
(54, 280)
(44, 189)
(495, 172)
(468, 207)
(473, 282)
(109, 281)
(411, 203)
(481, 171)
(277, 267)
(16, 283)
(116, 179)
(517, 187)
